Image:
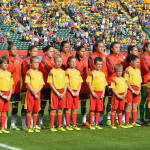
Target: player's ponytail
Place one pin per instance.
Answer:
(145, 46)
(10, 45)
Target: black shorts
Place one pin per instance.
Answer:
(108, 91)
(45, 94)
(15, 98)
(84, 96)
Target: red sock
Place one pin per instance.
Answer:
(3, 120)
(59, 118)
(0, 116)
(34, 119)
(52, 118)
(134, 114)
(149, 115)
(127, 115)
(120, 118)
(28, 119)
(67, 117)
(96, 118)
(91, 117)
(112, 118)
(74, 117)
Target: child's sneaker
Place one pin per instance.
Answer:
(29, 130)
(136, 125)
(52, 128)
(4, 131)
(76, 128)
(38, 127)
(14, 128)
(122, 126)
(102, 123)
(98, 127)
(86, 124)
(116, 122)
(36, 130)
(0, 131)
(108, 122)
(113, 127)
(91, 127)
(128, 125)
(24, 127)
(61, 129)
(68, 128)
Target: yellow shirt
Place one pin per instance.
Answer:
(97, 80)
(34, 78)
(133, 76)
(119, 84)
(73, 78)
(6, 81)
(57, 77)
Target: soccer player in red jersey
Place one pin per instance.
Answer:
(144, 62)
(82, 66)
(14, 67)
(46, 64)
(113, 59)
(32, 51)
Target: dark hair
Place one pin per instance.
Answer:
(112, 45)
(3, 59)
(96, 45)
(131, 57)
(69, 59)
(10, 45)
(78, 49)
(30, 49)
(130, 48)
(145, 45)
(33, 57)
(62, 44)
(98, 59)
(46, 48)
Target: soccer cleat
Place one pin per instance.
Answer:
(108, 122)
(24, 127)
(29, 130)
(136, 125)
(4, 131)
(14, 128)
(76, 128)
(98, 127)
(0, 131)
(122, 126)
(91, 127)
(52, 128)
(42, 126)
(142, 122)
(116, 122)
(36, 130)
(68, 128)
(113, 127)
(102, 123)
(61, 129)
(38, 127)
(128, 125)
(86, 124)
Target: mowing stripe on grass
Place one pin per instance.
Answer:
(9, 147)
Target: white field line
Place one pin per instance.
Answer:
(9, 147)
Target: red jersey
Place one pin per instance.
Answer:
(65, 56)
(92, 65)
(15, 67)
(25, 67)
(112, 60)
(145, 62)
(82, 66)
(46, 65)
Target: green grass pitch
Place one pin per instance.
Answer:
(120, 139)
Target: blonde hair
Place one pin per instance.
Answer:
(118, 67)
(58, 56)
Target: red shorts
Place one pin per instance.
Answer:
(96, 104)
(72, 102)
(132, 98)
(4, 104)
(57, 103)
(33, 105)
(117, 104)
